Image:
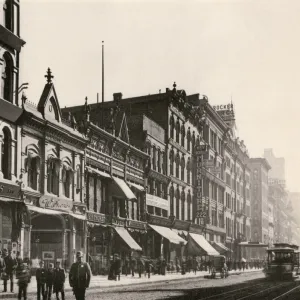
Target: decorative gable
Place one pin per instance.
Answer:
(48, 105)
(123, 131)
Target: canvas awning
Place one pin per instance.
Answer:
(220, 247)
(168, 234)
(124, 234)
(124, 188)
(137, 186)
(45, 210)
(198, 245)
(98, 172)
(180, 232)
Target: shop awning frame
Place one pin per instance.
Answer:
(168, 234)
(124, 188)
(220, 247)
(198, 245)
(127, 238)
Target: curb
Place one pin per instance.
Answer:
(68, 290)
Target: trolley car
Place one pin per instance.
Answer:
(283, 261)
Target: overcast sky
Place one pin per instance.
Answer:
(249, 50)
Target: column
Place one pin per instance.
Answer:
(43, 171)
(60, 173)
(29, 241)
(64, 254)
(72, 250)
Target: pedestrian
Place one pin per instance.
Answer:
(194, 264)
(59, 281)
(140, 266)
(80, 276)
(111, 273)
(126, 266)
(41, 278)
(148, 266)
(19, 260)
(23, 276)
(10, 266)
(117, 267)
(2, 266)
(49, 281)
(132, 265)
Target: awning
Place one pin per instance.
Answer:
(98, 172)
(124, 234)
(220, 247)
(167, 233)
(124, 188)
(253, 244)
(137, 186)
(45, 210)
(198, 245)
(180, 232)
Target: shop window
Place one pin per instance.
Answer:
(8, 14)
(53, 167)
(67, 178)
(6, 154)
(7, 78)
(33, 168)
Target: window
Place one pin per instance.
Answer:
(177, 164)
(193, 141)
(177, 131)
(154, 158)
(6, 154)
(33, 168)
(172, 200)
(189, 140)
(172, 162)
(182, 168)
(78, 178)
(177, 203)
(188, 167)
(53, 167)
(67, 178)
(172, 123)
(228, 179)
(7, 78)
(182, 205)
(182, 135)
(8, 15)
(189, 206)
(158, 160)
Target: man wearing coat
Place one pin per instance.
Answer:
(10, 266)
(59, 281)
(80, 276)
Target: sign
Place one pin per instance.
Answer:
(96, 218)
(216, 170)
(79, 209)
(136, 224)
(201, 150)
(223, 107)
(209, 163)
(160, 221)
(157, 202)
(9, 190)
(55, 203)
(48, 255)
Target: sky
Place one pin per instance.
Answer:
(247, 51)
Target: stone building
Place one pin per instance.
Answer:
(52, 164)
(11, 206)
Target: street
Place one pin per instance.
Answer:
(244, 286)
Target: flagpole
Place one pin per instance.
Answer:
(102, 80)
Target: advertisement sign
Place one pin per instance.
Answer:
(157, 202)
(201, 150)
(201, 205)
(51, 202)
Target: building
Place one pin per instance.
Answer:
(11, 206)
(277, 164)
(260, 204)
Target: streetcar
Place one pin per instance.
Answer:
(282, 261)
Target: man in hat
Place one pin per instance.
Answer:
(59, 281)
(80, 276)
(41, 278)
(10, 266)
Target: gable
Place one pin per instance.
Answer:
(48, 105)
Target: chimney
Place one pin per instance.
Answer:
(167, 90)
(117, 96)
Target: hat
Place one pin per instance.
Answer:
(79, 254)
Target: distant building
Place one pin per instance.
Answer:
(277, 165)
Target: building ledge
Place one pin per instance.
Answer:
(10, 39)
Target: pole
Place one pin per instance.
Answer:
(102, 83)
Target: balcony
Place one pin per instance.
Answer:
(10, 39)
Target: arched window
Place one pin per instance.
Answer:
(177, 203)
(33, 163)
(177, 130)
(158, 160)
(172, 125)
(67, 178)
(182, 205)
(7, 78)
(188, 167)
(78, 178)
(171, 161)
(6, 154)
(182, 135)
(182, 168)
(189, 139)
(53, 167)
(193, 141)
(172, 200)
(177, 164)
(8, 15)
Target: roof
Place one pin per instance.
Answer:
(261, 161)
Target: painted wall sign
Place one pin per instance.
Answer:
(55, 203)
(157, 202)
(96, 218)
(9, 190)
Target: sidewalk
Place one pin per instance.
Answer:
(103, 282)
